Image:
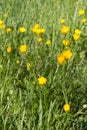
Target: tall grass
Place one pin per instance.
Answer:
(24, 103)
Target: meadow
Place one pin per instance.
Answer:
(43, 64)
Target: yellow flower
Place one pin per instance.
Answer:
(9, 49)
(76, 37)
(66, 42)
(36, 29)
(66, 107)
(67, 54)
(76, 2)
(39, 39)
(1, 22)
(2, 26)
(65, 29)
(77, 32)
(28, 65)
(22, 29)
(42, 31)
(42, 80)
(36, 26)
(62, 20)
(81, 12)
(48, 42)
(18, 62)
(23, 48)
(8, 30)
(84, 20)
(61, 59)
(5, 16)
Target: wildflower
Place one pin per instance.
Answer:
(42, 30)
(66, 42)
(5, 16)
(48, 42)
(85, 106)
(76, 2)
(28, 65)
(2, 26)
(18, 62)
(1, 22)
(22, 29)
(84, 20)
(61, 59)
(62, 20)
(35, 28)
(8, 30)
(38, 30)
(67, 54)
(42, 80)
(76, 37)
(39, 39)
(81, 12)
(65, 29)
(77, 31)
(66, 107)
(9, 49)
(23, 48)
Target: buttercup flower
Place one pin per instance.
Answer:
(28, 65)
(67, 54)
(23, 48)
(66, 42)
(2, 26)
(76, 37)
(66, 107)
(38, 30)
(8, 30)
(18, 62)
(22, 29)
(42, 80)
(9, 49)
(61, 59)
(1, 22)
(77, 31)
(48, 42)
(81, 12)
(39, 39)
(65, 29)
(77, 34)
(62, 20)
(84, 20)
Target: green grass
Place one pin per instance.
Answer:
(25, 104)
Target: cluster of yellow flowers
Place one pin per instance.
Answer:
(65, 55)
(38, 30)
(76, 34)
(22, 49)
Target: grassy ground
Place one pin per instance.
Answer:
(43, 79)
